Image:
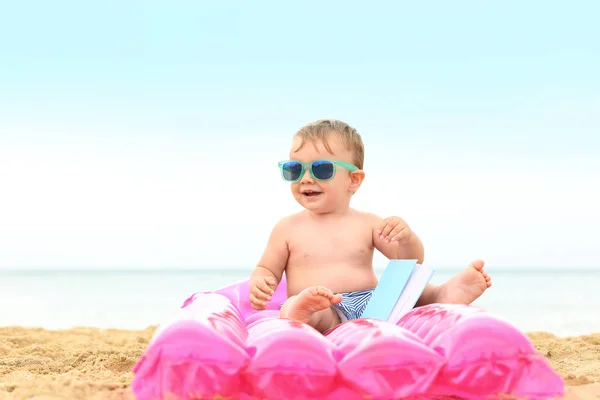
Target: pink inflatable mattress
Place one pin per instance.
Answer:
(217, 346)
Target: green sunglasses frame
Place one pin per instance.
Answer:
(305, 166)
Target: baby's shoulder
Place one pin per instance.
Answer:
(366, 218)
(290, 220)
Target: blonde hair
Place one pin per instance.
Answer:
(323, 129)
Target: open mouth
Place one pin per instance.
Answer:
(311, 193)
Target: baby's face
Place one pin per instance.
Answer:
(322, 196)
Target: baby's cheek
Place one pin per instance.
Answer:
(338, 185)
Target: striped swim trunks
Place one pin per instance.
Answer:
(353, 304)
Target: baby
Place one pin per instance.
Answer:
(326, 250)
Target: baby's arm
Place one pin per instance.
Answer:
(267, 274)
(412, 249)
(275, 256)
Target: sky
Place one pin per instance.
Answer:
(147, 134)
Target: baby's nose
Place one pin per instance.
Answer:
(307, 177)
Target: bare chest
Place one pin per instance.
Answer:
(349, 244)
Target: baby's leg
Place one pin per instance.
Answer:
(463, 288)
(428, 296)
(313, 307)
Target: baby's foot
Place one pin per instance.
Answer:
(465, 287)
(310, 301)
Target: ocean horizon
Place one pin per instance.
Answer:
(562, 301)
(127, 269)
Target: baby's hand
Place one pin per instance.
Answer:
(261, 290)
(394, 229)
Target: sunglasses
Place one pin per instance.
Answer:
(321, 170)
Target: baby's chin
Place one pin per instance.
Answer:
(317, 206)
(314, 203)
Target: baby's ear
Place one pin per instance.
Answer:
(356, 179)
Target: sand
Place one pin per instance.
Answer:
(90, 363)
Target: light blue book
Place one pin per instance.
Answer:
(398, 290)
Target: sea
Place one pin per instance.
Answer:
(565, 301)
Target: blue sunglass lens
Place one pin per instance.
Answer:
(291, 171)
(322, 169)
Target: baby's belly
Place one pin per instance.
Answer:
(339, 278)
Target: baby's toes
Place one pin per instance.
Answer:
(323, 291)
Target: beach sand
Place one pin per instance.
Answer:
(90, 363)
